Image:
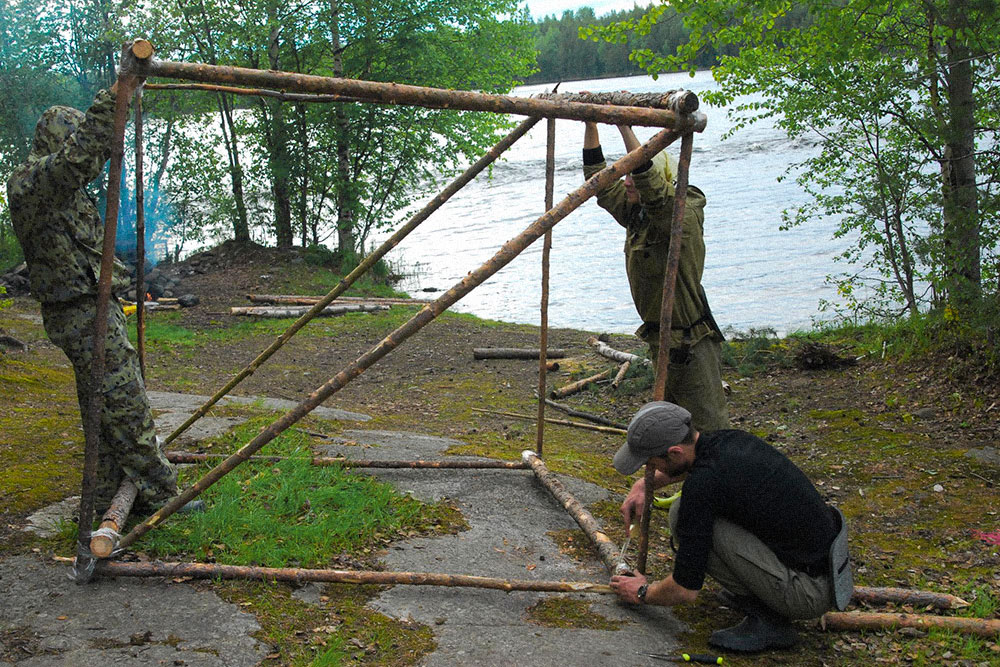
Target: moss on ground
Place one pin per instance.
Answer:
(563, 612)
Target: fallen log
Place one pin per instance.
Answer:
(515, 353)
(292, 299)
(597, 419)
(606, 350)
(882, 595)
(561, 422)
(296, 575)
(298, 311)
(620, 375)
(579, 385)
(104, 540)
(862, 620)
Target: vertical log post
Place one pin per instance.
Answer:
(348, 280)
(427, 314)
(666, 318)
(550, 168)
(84, 567)
(104, 540)
(140, 242)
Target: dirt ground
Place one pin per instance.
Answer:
(906, 448)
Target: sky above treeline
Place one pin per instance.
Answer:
(542, 8)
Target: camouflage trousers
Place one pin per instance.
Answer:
(695, 383)
(128, 445)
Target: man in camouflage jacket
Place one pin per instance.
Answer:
(61, 233)
(643, 204)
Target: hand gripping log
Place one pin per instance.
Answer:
(428, 313)
(362, 268)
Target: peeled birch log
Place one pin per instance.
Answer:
(681, 101)
(104, 540)
(515, 353)
(861, 620)
(292, 299)
(606, 350)
(620, 375)
(881, 595)
(298, 311)
(295, 575)
(579, 385)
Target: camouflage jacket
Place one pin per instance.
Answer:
(647, 225)
(55, 219)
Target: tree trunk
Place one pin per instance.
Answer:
(961, 201)
(345, 187)
(279, 161)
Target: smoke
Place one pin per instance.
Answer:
(158, 221)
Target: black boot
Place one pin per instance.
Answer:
(762, 629)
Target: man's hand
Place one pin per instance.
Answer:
(627, 587)
(636, 499)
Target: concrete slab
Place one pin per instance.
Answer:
(510, 515)
(120, 622)
(174, 402)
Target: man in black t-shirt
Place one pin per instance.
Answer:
(749, 518)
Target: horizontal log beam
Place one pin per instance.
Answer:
(679, 101)
(189, 457)
(299, 311)
(433, 98)
(297, 575)
(251, 92)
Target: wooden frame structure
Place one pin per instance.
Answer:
(675, 112)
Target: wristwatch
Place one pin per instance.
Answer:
(641, 593)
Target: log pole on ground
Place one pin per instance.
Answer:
(433, 98)
(542, 353)
(863, 620)
(296, 575)
(427, 314)
(95, 403)
(489, 158)
(597, 419)
(188, 457)
(579, 385)
(543, 343)
(105, 539)
(889, 594)
(605, 547)
(560, 422)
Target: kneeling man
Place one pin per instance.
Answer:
(748, 517)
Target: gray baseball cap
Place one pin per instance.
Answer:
(654, 429)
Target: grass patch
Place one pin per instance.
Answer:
(562, 612)
(292, 513)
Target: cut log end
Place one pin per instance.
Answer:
(102, 546)
(142, 49)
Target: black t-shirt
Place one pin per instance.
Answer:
(739, 477)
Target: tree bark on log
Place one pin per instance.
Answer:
(561, 422)
(605, 547)
(516, 353)
(620, 375)
(882, 595)
(861, 620)
(579, 385)
(189, 457)
(680, 101)
(105, 539)
(597, 419)
(606, 350)
(298, 311)
(295, 575)
(313, 300)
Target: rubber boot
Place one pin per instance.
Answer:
(762, 629)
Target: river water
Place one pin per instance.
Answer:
(755, 275)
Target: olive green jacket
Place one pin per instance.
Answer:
(647, 240)
(55, 219)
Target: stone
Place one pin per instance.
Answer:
(990, 455)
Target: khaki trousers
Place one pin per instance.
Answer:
(744, 565)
